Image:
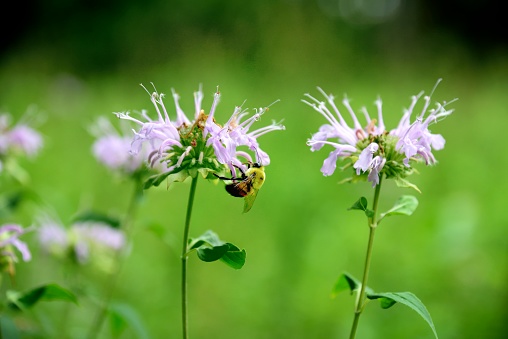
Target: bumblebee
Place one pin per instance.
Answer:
(248, 185)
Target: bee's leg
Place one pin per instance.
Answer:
(234, 178)
(249, 164)
(224, 178)
(241, 170)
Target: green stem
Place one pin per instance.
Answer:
(372, 229)
(127, 225)
(185, 325)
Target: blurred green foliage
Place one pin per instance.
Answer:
(87, 61)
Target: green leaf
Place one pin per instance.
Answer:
(347, 282)
(344, 283)
(155, 180)
(405, 205)
(209, 237)
(91, 216)
(179, 176)
(50, 292)
(234, 257)
(406, 184)
(209, 254)
(389, 299)
(122, 315)
(386, 302)
(210, 248)
(361, 204)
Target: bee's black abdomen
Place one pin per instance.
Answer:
(235, 191)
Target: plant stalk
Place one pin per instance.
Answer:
(127, 226)
(185, 324)
(360, 301)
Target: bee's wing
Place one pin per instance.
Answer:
(249, 200)
(244, 185)
(235, 190)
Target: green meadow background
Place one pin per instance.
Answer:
(74, 61)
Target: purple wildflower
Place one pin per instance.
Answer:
(199, 144)
(9, 239)
(98, 236)
(113, 149)
(236, 133)
(365, 159)
(372, 148)
(26, 139)
(19, 138)
(53, 237)
(162, 135)
(415, 139)
(85, 241)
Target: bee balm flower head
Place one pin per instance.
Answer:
(373, 150)
(187, 146)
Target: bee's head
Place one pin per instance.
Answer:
(257, 165)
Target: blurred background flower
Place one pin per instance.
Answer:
(9, 240)
(11, 245)
(95, 243)
(17, 139)
(113, 149)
